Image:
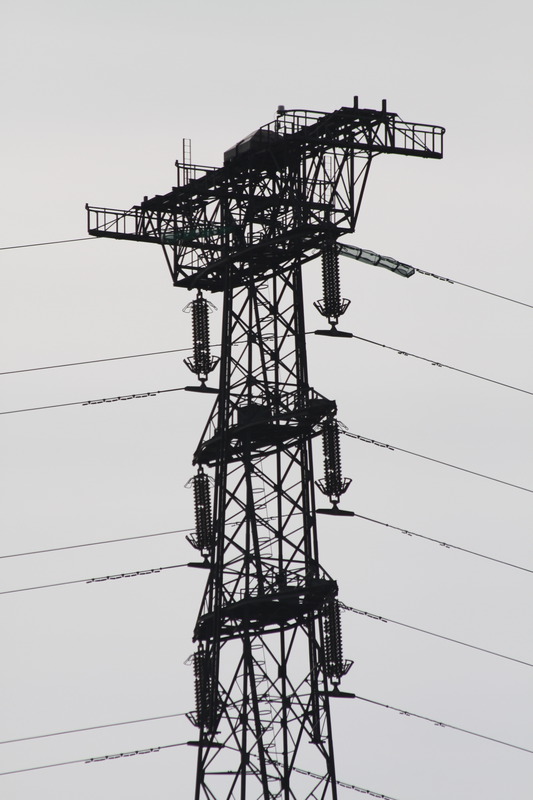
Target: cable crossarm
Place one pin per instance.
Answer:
(435, 460)
(435, 363)
(190, 221)
(447, 545)
(96, 759)
(102, 579)
(93, 728)
(444, 724)
(380, 618)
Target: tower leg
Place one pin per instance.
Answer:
(265, 717)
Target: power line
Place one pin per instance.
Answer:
(444, 724)
(156, 570)
(95, 544)
(92, 728)
(436, 461)
(150, 750)
(105, 541)
(345, 785)
(43, 244)
(102, 579)
(432, 633)
(404, 531)
(419, 271)
(99, 360)
(315, 775)
(470, 286)
(435, 363)
(431, 361)
(95, 402)
(443, 544)
(95, 759)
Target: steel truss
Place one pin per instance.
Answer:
(269, 646)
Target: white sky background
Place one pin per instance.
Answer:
(96, 98)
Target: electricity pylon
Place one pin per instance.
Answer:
(269, 648)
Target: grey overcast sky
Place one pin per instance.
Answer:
(96, 98)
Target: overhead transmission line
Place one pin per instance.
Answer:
(444, 724)
(435, 363)
(379, 618)
(92, 728)
(185, 349)
(100, 360)
(136, 574)
(435, 460)
(406, 270)
(447, 545)
(415, 269)
(95, 402)
(150, 750)
(404, 531)
(158, 570)
(44, 244)
(315, 775)
(345, 785)
(95, 544)
(95, 759)
(431, 361)
(470, 286)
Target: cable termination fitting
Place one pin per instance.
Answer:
(333, 484)
(335, 665)
(201, 362)
(332, 306)
(203, 537)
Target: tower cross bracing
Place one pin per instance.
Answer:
(269, 646)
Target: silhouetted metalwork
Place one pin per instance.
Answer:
(269, 645)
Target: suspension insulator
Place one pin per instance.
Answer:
(203, 538)
(332, 306)
(201, 362)
(333, 484)
(335, 665)
(205, 692)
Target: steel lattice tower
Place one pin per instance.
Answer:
(269, 648)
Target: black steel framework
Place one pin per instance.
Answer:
(269, 645)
